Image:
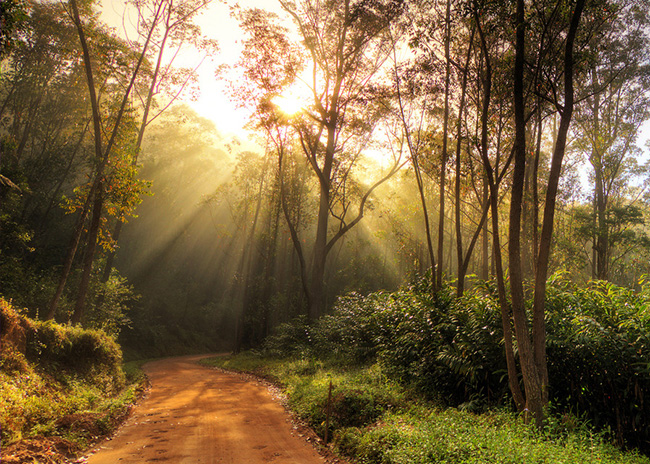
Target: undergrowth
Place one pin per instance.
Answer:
(59, 383)
(376, 420)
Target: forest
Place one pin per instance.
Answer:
(456, 190)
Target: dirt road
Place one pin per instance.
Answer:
(194, 414)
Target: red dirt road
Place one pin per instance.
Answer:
(194, 414)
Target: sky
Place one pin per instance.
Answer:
(216, 23)
(213, 102)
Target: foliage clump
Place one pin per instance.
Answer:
(62, 351)
(450, 349)
(60, 387)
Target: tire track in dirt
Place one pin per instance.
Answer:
(193, 414)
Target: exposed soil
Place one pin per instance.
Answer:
(49, 450)
(194, 414)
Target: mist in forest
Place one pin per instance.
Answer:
(220, 248)
(417, 155)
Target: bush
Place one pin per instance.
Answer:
(601, 334)
(62, 351)
(448, 349)
(291, 339)
(58, 381)
(451, 349)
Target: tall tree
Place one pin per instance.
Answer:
(174, 28)
(344, 46)
(609, 119)
(102, 156)
(532, 347)
(412, 111)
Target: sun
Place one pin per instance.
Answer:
(289, 104)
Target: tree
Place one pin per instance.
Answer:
(102, 156)
(532, 350)
(608, 121)
(173, 27)
(412, 111)
(344, 47)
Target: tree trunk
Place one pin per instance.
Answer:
(67, 265)
(532, 383)
(539, 328)
(535, 208)
(248, 257)
(414, 152)
(600, 200)
(69, 259)
(89, 256)
(443, 157)
(485, 244)
(494, 197)
(460, 283)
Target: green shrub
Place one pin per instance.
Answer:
(62, 350)
(291, 339)
(64, 376)
(601, 334)
(451, 349)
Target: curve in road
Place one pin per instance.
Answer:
(194, 414)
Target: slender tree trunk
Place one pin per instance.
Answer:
(462, 270)
(293, 232)
(535, 209)
(485, 245)
(67, 265)
(69, 259)
(443, 157)
(414, 152)
(494, 206)
(532, 382)
(248, 257)
(98, 154)
(539, 328)
(425, 214)
(600, 199)
(89, 256)
(269, 269)
(317, 284)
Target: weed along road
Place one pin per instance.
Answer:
(194, 414)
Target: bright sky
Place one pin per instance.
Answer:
(213, 102)
(216, 23)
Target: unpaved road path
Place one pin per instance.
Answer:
(194, 414)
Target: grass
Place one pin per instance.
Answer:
(375, 420)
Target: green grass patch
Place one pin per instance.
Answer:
(376, 420)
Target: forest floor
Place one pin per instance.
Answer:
(200, 415)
